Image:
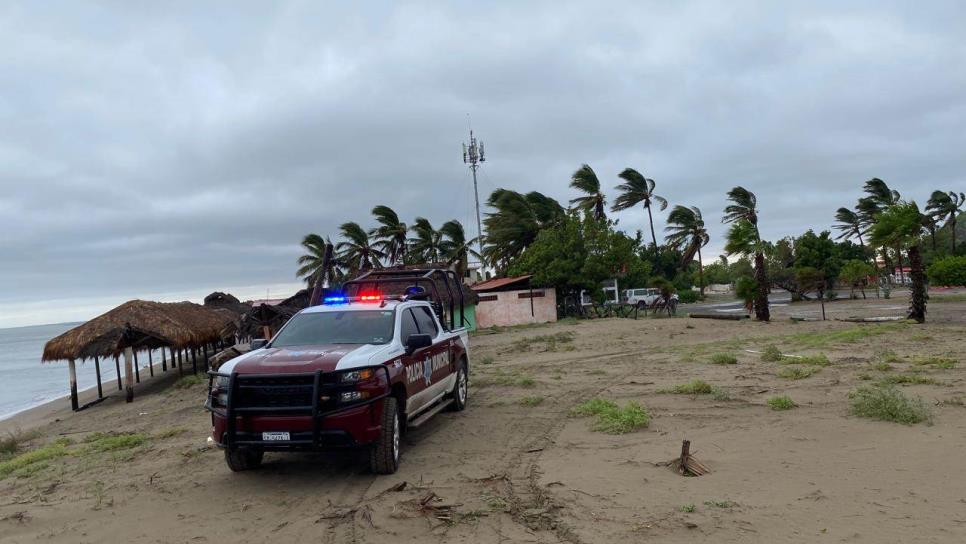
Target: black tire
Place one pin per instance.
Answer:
(243, 459)
(461, 389)
(384, 456)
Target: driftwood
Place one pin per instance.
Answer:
(871, 319)
(729, 317)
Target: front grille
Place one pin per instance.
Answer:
(268, 392)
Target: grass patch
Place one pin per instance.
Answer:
(614, 419)
(101, 442)
(782, 402)
(24, 464)
(549, 341)
(513, 378)
(487, 360)
(189, 381)
(596, 372)
(797, 372)
(171, 432)
(888, 404)
(906, 379)
(688, 508)
(13, 442)
(864, 376)
(724, 359)
(938, 362)
(720, 504)
(531, 401)
(957, 297)
(882, 367)
(697, 387)
(887, 356)
(771, 354)
(844, 336)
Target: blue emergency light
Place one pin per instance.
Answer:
(335, 299)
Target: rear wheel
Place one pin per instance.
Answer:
(384, 457)
(461, 391)
(243, 459)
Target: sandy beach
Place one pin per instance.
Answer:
(517, 466)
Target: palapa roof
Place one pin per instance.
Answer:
(148, 325)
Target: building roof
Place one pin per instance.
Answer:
(499, 283)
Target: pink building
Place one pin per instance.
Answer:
(512, 301)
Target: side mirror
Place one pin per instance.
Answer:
(258, 343)
(416, 342)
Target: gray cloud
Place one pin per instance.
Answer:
(169, 150)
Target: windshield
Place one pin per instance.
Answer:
(356, 327)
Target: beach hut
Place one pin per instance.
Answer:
(138, 326)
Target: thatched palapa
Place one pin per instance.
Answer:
(149, 325)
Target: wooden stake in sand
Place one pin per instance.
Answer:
(129, 374)
(687, 464)
(73, 384)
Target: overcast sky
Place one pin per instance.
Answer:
(163, 150)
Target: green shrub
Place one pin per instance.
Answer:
(814, 360)
(797, 372)
(687, 296)
(888, 404)
(771, 354)
(613, 419)
(950, 271)
(724, 359)
(782, 402)
(697, 387)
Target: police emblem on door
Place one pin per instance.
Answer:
(428, 370)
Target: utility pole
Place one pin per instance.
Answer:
(473, 155)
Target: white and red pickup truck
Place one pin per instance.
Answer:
(354, 371)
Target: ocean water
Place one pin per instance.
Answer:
(25, 382)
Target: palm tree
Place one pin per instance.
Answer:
(635, 190)
(880, 197)
(593, 202)
(515, 222)
(901, 225)
(744, 238)
(357, 250)
(850, 223)
(455, 248)
(426, 245)
(945, 207)
(687, 234)
(390, 234)
(313, 266)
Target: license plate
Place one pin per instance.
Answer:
(276, 437)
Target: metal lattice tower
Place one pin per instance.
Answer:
(473, 155)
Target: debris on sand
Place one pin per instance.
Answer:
(687, 464)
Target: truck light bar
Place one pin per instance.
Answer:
(342, 299)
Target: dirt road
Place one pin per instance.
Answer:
(517, 467)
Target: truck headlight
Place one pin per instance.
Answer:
(222, 382)
(354, 376)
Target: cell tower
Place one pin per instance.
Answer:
(473, 155)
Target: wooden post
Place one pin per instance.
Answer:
(164, 361)
(137, 373)
(117, 367)
(74, 405)
(685, 453)
(129, 373)
(194, 360)
(150, 363)
(97, 370)
(205, 348)
(180, 362)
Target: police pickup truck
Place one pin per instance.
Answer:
(353, 371)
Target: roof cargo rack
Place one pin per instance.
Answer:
(440, 286)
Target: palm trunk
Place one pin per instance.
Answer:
(952, 223)
(700, 271)
(650, 219)
(761, 298)
(917, 300)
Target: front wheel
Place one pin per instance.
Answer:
(384, 456)
(243, 459)
(460, 392)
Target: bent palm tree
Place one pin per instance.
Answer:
(455, 248)
(850, 224)
(426, 245)
(879, 199)
(357, 250)
(946, 207)
(687, 234)
(313, 266)
(593, 202)
(745, 239)
(515, 223)
(390, 234)
(901, 224)
(635, 190)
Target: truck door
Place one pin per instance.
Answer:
(438, 360)
(416, 387)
